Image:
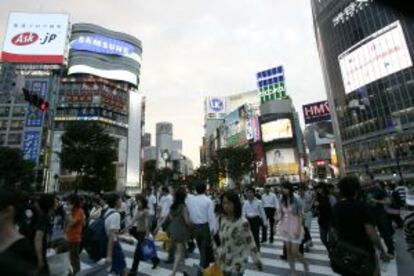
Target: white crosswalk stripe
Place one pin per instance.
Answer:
(273, 265)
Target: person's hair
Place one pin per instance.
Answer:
(235, 200)
(288, 198)
(250, 189)
(13, 198)
(392, 186)
(165, 190)
(349, 186)
(324, 187)
(46, 202)
(75, 200)
(112, 199)
(179, 198)
(201, 188)
(143, 200)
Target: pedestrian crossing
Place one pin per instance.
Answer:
(270, 254)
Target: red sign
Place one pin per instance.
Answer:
(24, 39)
(316, 112)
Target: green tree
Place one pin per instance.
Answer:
(15, 172)
(150, 171)
(237, 162)
(90, 153)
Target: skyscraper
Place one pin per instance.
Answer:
(366, 49)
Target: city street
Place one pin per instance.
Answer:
(273, 265)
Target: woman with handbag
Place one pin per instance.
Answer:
(234, 242)
(291, 227)
(179, 229)
(355, 236)
(140, 230)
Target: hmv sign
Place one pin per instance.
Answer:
(316, 112)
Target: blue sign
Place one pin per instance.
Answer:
(103, 45)
(31, 145)
(216, 104)
(34, 117)
(271, 84)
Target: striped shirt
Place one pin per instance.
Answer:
(402, 192)
(409, 232)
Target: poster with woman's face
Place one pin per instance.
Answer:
(281, 161)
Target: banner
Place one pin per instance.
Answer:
(31, 145)
(316, 112)
(281, 162)
(36, 38)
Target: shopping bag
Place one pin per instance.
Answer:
(213, 270)
(148, 249)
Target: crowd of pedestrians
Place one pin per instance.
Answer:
(228, 227)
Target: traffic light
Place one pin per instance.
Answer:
(35, 100)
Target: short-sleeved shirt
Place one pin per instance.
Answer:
(19, 259)
(349, 219)
(113, 221)
(74, 231)
(152, 200)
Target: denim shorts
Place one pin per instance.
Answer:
(118, 259)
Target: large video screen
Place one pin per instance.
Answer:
(281, 162)
(97, 51)
(275, 130)
(381, 54)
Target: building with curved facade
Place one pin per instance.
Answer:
(366, 50)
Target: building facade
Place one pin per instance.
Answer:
(366, 50)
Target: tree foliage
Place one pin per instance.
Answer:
(90, 153)
(15, 172)
(236, 162)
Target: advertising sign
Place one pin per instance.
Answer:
(316, 112)
(31, 145)
(215, 107)
(381, 54)
(281, 162)
(275, 130)
(323, 132)
(271, 84)
(104, 53)
(236, 125)
(36, 38)
(34, 117)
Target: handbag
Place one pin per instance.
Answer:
(213, 270)
(148, 250)
(346, 258)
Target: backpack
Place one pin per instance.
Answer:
(95, 239)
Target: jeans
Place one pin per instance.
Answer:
(255, 223)
(74, 256)
(270, 215)
(201, 233)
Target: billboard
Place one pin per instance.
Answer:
(323, 132)
(316, 112)
(235, 125)
(36, 38)
(215, 107)
(381, 54)
(34, 117)
(31, 145)
(98, 51)
(276, 130)
(281, 162)
(271, 84)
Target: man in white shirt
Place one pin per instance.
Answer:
(114, 255)
(201, 211)
(271, 205)
(152, 206)
(254, 212)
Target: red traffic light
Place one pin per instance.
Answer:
(43, 106)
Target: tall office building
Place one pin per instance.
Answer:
(101, 86)
(366, 49)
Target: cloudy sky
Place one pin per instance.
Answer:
(195, 48)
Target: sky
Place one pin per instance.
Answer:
(196, 48)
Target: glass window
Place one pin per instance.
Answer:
(4, 124)
(16, 124)
(18, 111)
(2, 138)
(4, 111)
(15, 138)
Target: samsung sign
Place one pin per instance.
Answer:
(101, 52)
(104, 45)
